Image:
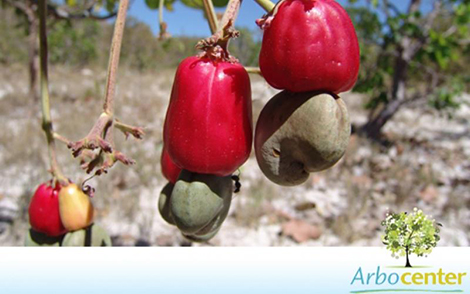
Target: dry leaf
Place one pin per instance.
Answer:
(429, 193)
(305, 206)
(300, 231)
(363, 180)
(400, 149)
(316, 179)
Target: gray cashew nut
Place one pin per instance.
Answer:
(300, 133)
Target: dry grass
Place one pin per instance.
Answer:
(347, 201)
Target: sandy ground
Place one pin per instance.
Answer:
(426, 166)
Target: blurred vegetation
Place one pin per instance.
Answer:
(13, 40)
(441, 54)
(85, 43)
(411, 55)
(408, 55)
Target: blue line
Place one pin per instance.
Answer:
(406, 290)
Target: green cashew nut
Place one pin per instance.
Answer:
(300, 133)
(201, 238)
(164, 203)
(198, 199)
(211, 229)
(217, 221)
(94, 236)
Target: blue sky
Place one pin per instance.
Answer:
(191, 22)
(188, 21)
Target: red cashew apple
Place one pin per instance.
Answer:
(43, 211)
(309, 45)
(169, 169)
(208, 125)
(76, 209)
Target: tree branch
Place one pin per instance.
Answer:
(253, 70)
(409, 237)
(433, 15)
(61, 138)
(267, 5)
(392, 6)
(414, 6)
(101, 136)
(230, 14)
(127, 130)
(386, 8)
(24, 7)
(46, 110)
(216, 46)
(58, 13)
(211, 16)
(114, 57)
(163, 34)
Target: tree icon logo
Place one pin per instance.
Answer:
(408, 233)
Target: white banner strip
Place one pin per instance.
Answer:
(230, 270)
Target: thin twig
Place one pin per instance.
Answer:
(386, 8)
(101, 136)
(160, 12)
(216, 46)
(413, 6)
(230, 15)
(94, 139)
(59, 13)
(61, 138)
(266, 5)
(46, 110)
(136, 132)
(114, 57)
(253, 70)
(210, 14)
(163, 26)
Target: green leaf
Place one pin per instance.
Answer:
(199, 4)
(155, 4)
(109, 5)
(71, 2)
(220, 3)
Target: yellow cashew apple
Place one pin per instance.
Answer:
(75, 207)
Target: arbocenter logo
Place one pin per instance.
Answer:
(407, 234)
(401, 280)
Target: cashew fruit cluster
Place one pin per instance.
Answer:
(207, 136)
(310, 51)
(63, 216)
